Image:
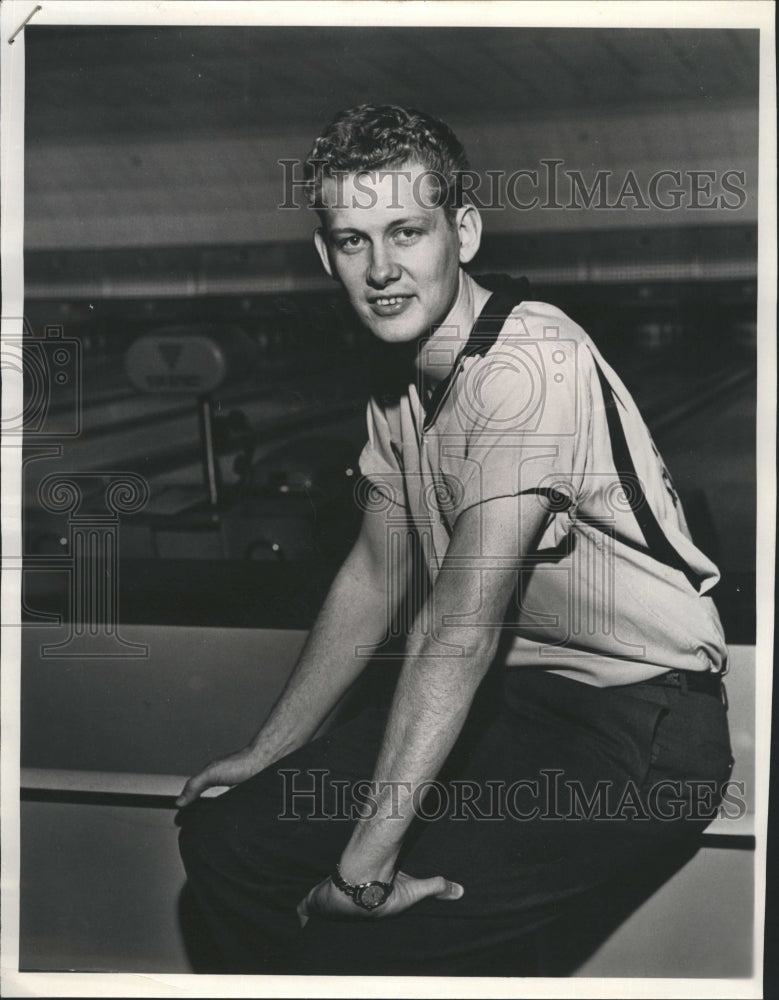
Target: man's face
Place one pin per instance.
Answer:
(397, 258)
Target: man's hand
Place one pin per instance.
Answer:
(228, 771)
(326, 901)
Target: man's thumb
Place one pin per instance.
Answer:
(191, 790)
(441, 888)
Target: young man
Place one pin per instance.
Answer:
(558, 706)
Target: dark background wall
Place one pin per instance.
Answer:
(151, 201)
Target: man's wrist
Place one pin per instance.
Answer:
(368, 895)
(267, 747)
(358, 866)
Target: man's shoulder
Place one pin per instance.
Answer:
(542, 321)
(542, 331)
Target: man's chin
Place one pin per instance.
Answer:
(395, 333)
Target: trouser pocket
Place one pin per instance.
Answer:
(691, 759)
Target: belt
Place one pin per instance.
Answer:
(691, 680)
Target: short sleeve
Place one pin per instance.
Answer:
(525, 410)
(378, 461)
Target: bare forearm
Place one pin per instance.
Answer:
(354, 615)
(431, 703)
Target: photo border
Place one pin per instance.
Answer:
(752, 13)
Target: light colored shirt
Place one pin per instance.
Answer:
(528, 417)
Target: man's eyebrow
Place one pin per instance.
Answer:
(412, 220)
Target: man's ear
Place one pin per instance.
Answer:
(322, 249)
(468, 224)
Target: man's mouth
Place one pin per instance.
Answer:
(389, 305)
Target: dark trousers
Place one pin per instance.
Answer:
(554, 787)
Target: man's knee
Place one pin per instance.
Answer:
(198, 835)
(211, 836)
(228, 835)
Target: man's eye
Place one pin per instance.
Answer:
(350, 243)
(407, 235)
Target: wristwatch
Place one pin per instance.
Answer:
(368, 895)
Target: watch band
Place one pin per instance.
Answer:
(368, 895)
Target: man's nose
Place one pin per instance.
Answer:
(382, 268)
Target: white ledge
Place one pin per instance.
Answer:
(107, 782)
(170, 785)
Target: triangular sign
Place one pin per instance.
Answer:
(170, 354)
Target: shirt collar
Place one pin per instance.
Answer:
(437, 355)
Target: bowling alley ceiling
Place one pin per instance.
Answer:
(189, 81)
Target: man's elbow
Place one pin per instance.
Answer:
(473, 646)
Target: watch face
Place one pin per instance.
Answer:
(372, 895)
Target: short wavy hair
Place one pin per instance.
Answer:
(385, 136)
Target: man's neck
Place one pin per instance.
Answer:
(437, 354)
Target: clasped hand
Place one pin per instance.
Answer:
(325, 900)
